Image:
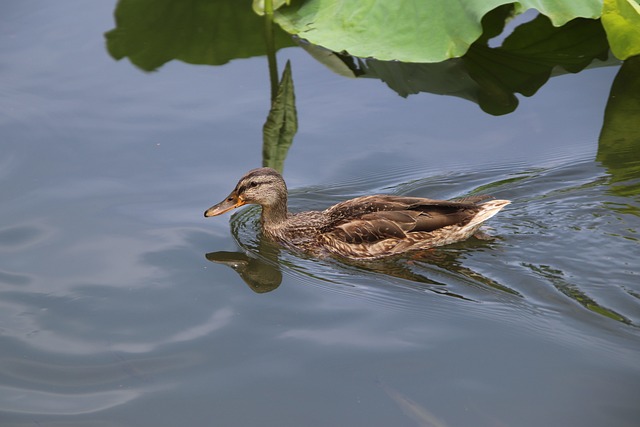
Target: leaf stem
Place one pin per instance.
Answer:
(271, 47)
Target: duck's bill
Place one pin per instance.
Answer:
(231, 202)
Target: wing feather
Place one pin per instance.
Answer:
(371, 219)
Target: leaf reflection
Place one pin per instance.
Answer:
(556, 277)
(619, 145)
(281, 125)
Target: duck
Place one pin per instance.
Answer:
(366, 227)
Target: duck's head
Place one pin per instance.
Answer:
(262, 186)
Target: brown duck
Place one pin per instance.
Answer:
(362, 228)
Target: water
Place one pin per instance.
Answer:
(111, 313)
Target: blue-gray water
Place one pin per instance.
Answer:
(111, 314)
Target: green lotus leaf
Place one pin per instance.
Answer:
(491, 77)
(621, 21)
(212, 32)
(410, 30)
(259, 6)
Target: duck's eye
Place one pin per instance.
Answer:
(253, 184)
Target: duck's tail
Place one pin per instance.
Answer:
(487, 210)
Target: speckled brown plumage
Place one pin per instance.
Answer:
(361, 228)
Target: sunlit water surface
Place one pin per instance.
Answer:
(112, 312)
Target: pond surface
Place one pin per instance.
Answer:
(112, 313)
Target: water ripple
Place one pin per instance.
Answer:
(28, 401)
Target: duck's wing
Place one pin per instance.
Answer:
(368, 204)
(373, 218)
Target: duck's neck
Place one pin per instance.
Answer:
(274, 216)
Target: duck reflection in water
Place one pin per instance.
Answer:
(260, 275)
